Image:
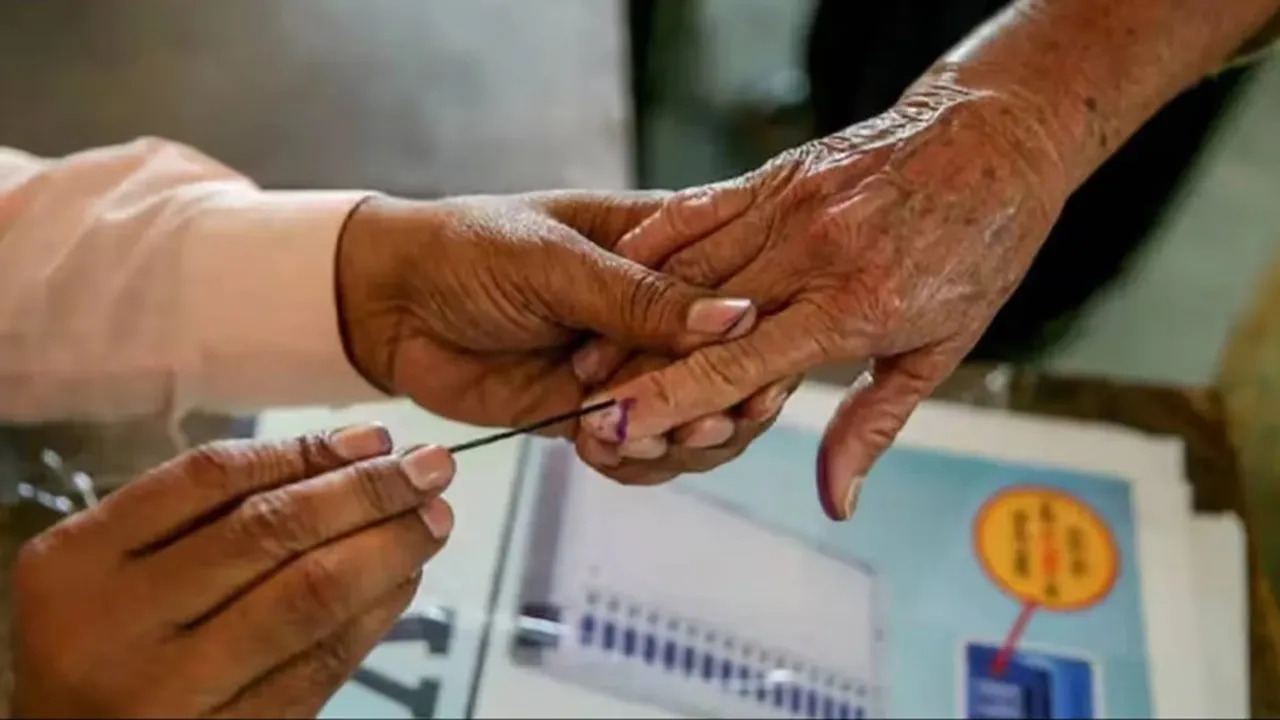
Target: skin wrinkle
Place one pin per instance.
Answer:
(978, 158)
(496, 294)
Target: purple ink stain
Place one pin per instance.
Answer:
(624, 410)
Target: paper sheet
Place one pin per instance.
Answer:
(1222, 579)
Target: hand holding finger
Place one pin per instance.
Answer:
(716, 377)
(639, 308)
(745, 424)
(685, 218)
(170, 499)
(715, 429)
(602, 216)
(269, 529)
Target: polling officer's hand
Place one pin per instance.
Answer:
(473, 306)
(242, 579)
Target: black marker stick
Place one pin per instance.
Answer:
(534, 427)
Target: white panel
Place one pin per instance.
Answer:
(670, 598)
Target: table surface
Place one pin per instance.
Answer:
(1193, 414)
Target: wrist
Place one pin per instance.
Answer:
(372, 285)
(1087, 74)
(1014, 122)
(1058, 145)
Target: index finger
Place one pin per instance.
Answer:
(198, 485)
(270, 529)
(717, 377)
(603, 217)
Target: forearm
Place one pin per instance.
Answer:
(1089, 73)
(147, 278)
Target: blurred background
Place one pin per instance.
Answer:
(1163, 269)
(1156, 262)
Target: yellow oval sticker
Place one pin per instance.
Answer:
(1046, 548)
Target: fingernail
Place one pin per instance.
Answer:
(609, 424)
(717, 316)
(358, 442)
(773, 402)
(438, 518)
(650, 448)
(743, 326)
(428, 467)
(584, 364)
(599, 455)
(851, 500)
(708, 432)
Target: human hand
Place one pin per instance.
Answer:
(894, 242)
(241, 579)
(473, 306)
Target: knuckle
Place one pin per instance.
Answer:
(319, 597)
(831, 242)
(271, 525)
(868, 305)
(408, 545)
(729, 369)
(215, 461)
(243, 463)
(645, 300)
(638, 366)
(28, 575)
(680, 213)
(880, 435)
(382, 488)
(660, 394)
(310, 455)
(333, 660)
(53, 548)
(883, 426)
(697, 265)
(610, 358)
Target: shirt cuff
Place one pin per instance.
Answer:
(261, 315)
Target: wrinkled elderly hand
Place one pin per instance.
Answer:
(473, 306)
(895, 242)
(242, 579)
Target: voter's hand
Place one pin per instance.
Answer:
(473, 306)
(892, 243)
(241, 579)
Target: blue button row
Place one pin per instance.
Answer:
(696, 662)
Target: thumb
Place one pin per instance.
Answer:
(687, 217)
(867, 422)
(640, 308)
(603, 217)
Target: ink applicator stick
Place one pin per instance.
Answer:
(532, 427)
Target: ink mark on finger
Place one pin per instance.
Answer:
(624, 412)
